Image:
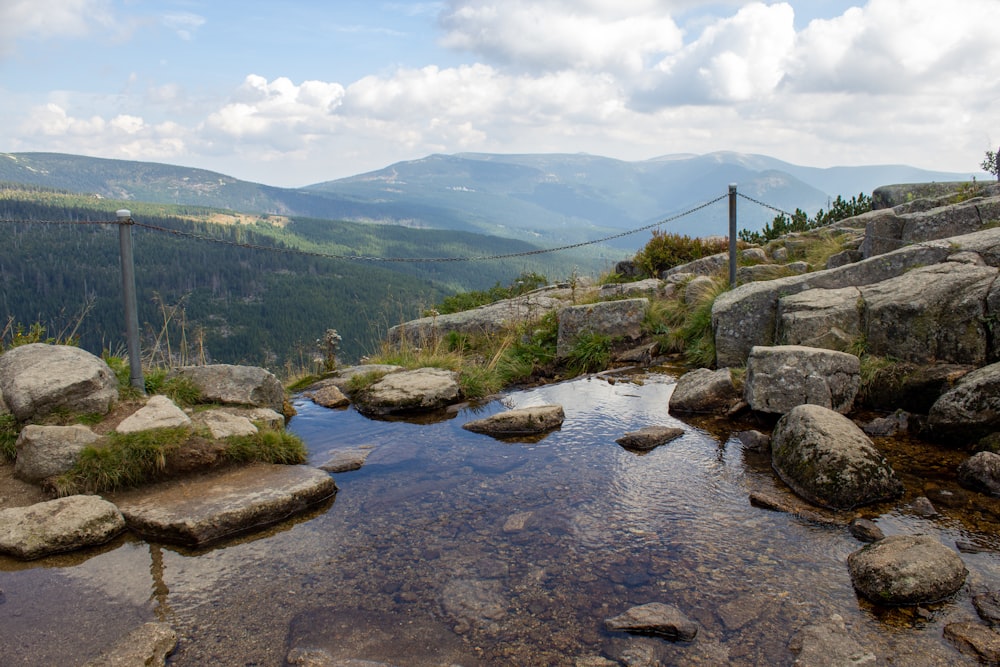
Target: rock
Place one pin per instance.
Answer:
(988, 607)
(649, 437)
(971, 409)
(329, 397)
(823, 318)
(225, 425)
(314, 657)
(266, 417)
(780, 378)
(39, 379)
(882, 427)
(655, 618)
(642, 354)
(981, 472)
(865, 530)
(342, 376)
(754, 255)
(594, 661)
(754, 441)
(55, 526)
(346, 460)
(922, 506)
(523, 421)
(148, 645)
(911, 387)
(828, 645)
(976, 640)
(159, 412)
(238, 385)
(844, 257)
(705, 266)
(517, 522)
(699, 289)
(906, 570)
(423, 389)
(704, 391)
(649, 287)
(47, 451)
(200, 510)
(825, 458)
(617, 319)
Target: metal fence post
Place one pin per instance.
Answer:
(128, 295)
(732, 234)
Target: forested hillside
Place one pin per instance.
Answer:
(231, 303)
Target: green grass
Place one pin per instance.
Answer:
(8, 438)
(590, 352)
(267, 446)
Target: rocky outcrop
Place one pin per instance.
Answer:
(651, 287)
(200, 510)
(906, 570)
(64, 524)
(47, 451)
(655, 618)
(616, 319)
(704, 391)
(782, 377)
(148, 645)
(649, 437)
(826, 459)
(423, 389)
(971, 409)
(39, 379)
(522, 421)
(159, 412)
(235, 385)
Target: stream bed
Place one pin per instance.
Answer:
(452, 548)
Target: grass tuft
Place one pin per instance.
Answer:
(267, 446)
(9, 431)
(590, 352)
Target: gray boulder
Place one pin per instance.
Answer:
(39, 379)
(704, 391)
(649, 287)
(706, 266)
(55, 526)
(423, 389)
(222, 424)
(782, 377)
(159, 412)
(237, 385)
(148, 645)
(655, 618)
(826, 459)
(267, 417)
(824, 318)
(971, 409)
(649, 437)
(47, 451)
(981, 473)
(522, 421)
(329, 396)
(617, 319)
(906, 570)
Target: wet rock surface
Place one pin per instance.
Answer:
(649, 437)
(55, 526)
(906, 570)
(523, 421)
(148, 645)
(655, 618)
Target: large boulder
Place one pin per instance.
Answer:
(617, 319)
(235, 385)
(906, 570)
(55, 526)
(704, 391)
(522, 421)
(826, 459)
(824, 318)
(47, 451)
(782, 377)
(970, 409)
(420, 390)
(38, 379)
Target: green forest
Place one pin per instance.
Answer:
(208, 301)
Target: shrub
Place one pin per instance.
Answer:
(524, 283)
(666, 250)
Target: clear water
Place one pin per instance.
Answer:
(452, 548)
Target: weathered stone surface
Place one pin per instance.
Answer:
(423, 389)
(329, 397)
(699, 289)
(346, 460)
(45, 451)
(782, 377)
(843, 258)
(976, 640)
(704, 391)
(655, 618)
(825, 458)
(753, 255)
(266, 417)
(342, 377)
(981, 473)
(987, 605)
(747, 274)
(932, 313)
(224, 425)
(649, 437)
(55, 526)
(148, 646)
(159, 412)
(865, 530)
(828, 645)
(754, 441)
(971, 409)
(200, 510)
(238, 385)
(706, 266)
(39, 379)
(649, 287)
(906, 569)
(911, 387)
(618, 319)
(823, 318)
(522, 421)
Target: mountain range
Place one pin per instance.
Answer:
(550, 199)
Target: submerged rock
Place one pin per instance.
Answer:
(522, 421)
(828, 645)
(906, 570)
(655, 618)
(148, 645)
(55, 526)
(649, 437)
(976, 640)
(346, 460)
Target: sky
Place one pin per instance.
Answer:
(303, 91)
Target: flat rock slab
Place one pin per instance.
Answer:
(522, 421)
(55, 526)
(649, 437)
(204, 509)
(655, 618)
(346, 460)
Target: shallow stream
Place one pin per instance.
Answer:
(451, 548)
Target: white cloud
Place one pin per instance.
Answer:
(183, 23)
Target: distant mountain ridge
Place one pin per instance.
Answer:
(549, 198)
